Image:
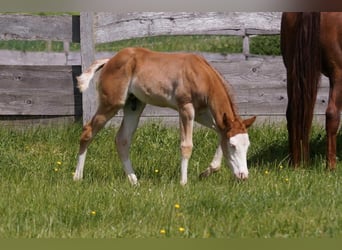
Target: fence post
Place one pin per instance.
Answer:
(89, 100)
(245, 46)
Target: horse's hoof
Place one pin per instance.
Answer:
(206, 173)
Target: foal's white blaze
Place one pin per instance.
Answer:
(237, 155)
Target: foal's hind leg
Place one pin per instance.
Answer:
(89, 131)
(132, 112)
(333, 119)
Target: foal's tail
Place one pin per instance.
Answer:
(303, 76)
(84, 79)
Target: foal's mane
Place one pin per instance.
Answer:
(226, 86)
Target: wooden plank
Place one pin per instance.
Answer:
(12, 57)
(258, 87)
(36, 90)
(90, 102)
(26, 27)
(113, 27)
(24, 121)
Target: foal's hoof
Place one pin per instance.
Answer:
(133, 179)
(206, 173)
(77, 177)
(183, 183)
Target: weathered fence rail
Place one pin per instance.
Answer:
(39, 86)
(43, 83)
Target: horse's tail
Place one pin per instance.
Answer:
(84, 79)
(303, 76)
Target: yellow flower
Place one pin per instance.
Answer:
(55, 169)
(93, 213)
(266, 172)
(281, 166)
(59, 163)
(156, 171)
(177, 206)
(286, 179)
(162, 231)
(181, 229)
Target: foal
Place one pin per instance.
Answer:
(184, 82)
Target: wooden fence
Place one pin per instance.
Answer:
(43, 83)
(39, 87)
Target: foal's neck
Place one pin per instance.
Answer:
(222, 107)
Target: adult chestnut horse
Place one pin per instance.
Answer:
(311, 43)
(184, 82)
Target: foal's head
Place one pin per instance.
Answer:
(235, 146)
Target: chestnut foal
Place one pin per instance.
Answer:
(181, 81)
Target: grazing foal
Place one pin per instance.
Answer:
(184, 82)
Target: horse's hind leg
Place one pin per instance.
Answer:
(132, 112)
(333, 119)
(98, 121)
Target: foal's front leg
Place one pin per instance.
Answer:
(215, 164)
(207, 120)
(186, 122)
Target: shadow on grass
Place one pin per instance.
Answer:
(275, 152)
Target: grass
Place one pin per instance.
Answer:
(206, 43)
(40, 200)
(262, 45)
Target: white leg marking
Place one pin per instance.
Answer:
(216, 162)
(133, 179)
(80, 166)
(130, 172)
(184, 171)
(124, 138)
(186, 122)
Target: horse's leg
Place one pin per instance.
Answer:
(215, 164)
(98, 121)
(206, 120)
(132, 112)
(186, 121)
(333, 119)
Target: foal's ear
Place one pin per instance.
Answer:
(248, 122)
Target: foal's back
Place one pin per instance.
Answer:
(160, 79)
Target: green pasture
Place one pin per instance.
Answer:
(263, 45)
(40, 200)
